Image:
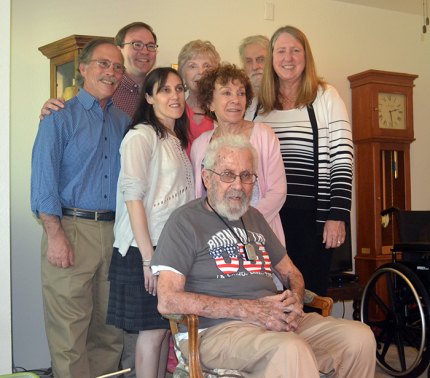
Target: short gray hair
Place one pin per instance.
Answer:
(261, 40)
(227, 140)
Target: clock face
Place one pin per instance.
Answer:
(392, 112)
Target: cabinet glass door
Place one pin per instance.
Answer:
(65, 77)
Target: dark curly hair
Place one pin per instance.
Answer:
(223, 74)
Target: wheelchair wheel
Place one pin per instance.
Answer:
(396, 306)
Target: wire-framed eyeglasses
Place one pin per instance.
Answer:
(229, 177)
(139, 45)
(105, 64)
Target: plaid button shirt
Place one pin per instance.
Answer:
(127, 96)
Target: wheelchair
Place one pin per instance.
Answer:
(396, 300)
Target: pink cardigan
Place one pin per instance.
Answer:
(271, 181)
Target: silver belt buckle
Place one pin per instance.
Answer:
(96, 216)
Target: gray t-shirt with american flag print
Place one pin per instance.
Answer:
(196, 243)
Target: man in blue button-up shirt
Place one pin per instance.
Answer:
(75, 169)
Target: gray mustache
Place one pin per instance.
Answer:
(112, 80)
(236, 193)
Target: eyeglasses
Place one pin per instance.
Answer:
(229, 177)
(105, 64)
(139, 45)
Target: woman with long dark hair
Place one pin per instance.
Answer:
(155, 179)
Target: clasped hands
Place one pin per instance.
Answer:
(280, 312)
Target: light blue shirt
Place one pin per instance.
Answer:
(75, 160)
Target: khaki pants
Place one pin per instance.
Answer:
(75, 303)
(342, 348)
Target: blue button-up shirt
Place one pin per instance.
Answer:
(75, 161)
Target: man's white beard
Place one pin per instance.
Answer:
(226, 210)
(256, 81)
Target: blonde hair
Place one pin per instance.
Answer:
(197, 48)
(268, 97)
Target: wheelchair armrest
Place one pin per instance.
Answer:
(412, 247)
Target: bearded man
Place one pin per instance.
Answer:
(215, 258)
(253, 51)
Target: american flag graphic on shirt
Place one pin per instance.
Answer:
(230, 257)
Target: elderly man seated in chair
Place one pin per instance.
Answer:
(215, 258)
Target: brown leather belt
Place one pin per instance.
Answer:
(102, 216)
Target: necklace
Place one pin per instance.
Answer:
(249, 248)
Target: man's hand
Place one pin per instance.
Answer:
(334, 233)
(60, 252)
(281, 312)
(52, 104)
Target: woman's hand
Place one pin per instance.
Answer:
(150, 281)
(334, 234)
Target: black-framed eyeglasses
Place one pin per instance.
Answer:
(105, 64)
(229, 177)
(139, 45)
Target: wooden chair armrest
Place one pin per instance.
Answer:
(325, 304)
(191, 321)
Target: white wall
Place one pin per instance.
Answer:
(346, 39)
(5, 314)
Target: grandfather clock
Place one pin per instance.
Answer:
(382, 126)
(63, 55)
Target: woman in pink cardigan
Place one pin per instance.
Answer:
(224, 94)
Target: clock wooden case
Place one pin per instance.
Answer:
(63, 55)
(382, 105)
(382, 126)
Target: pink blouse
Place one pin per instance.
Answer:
(196, 129)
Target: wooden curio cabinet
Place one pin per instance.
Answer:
(382, 125)
(63, 55)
